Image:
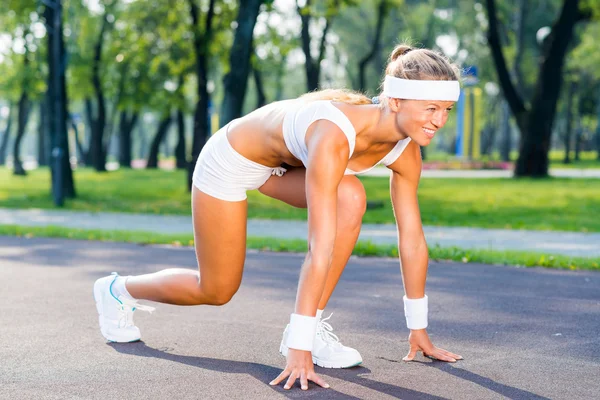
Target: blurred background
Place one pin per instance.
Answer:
(105, 85)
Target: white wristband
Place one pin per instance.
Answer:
(301, 332)
(415, 311)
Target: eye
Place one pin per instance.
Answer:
(449, 109)
(432, 109)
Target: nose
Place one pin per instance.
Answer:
(438, 119)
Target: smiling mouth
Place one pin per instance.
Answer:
(429, 132)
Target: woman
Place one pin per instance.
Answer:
(323, 139)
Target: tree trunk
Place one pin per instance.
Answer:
(97, 148)
(21, 125)
(382, 11)
(124, 141)
(569, 122)
(163, 128)
(201, 43)
(126, 125)
(578, 139)
(520, 33)
(236, 80)
(62, 175)
(6, 135)
(79, 147)
(42, 153)
(535, 124)
(598, 126)
(180, 153)
(312, 66)
(261, 98)
(506, 145)
(89, 114)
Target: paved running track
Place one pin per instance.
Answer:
(524, 333)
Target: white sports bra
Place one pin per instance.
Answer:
(300, 116)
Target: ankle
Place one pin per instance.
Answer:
(119, 288)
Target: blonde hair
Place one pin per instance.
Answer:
(405, 62)
(339, 95)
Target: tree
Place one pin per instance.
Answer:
(382, 11)
(6, 135)
(307, 12)
(21, 70)
(163, 128)
(235, 81)
(201, 41)
(97, 147)
(535, 121)
(62, 175)
(586, 58)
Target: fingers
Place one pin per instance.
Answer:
(438, 355)
(433, 353)
(442, 355)
(284, 374)
(303, 380)
(452, 355)
(411, 353)
(318, 380)
(291, 380)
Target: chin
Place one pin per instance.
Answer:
(422, 141)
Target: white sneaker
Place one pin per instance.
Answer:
(115, 315)
(327, 352)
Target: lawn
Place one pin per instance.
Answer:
(368, 249)
(587, 159)
(547, 204)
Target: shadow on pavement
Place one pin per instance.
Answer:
(356, 376)
(504, 390)
(265, 373)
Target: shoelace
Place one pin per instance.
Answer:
(325, 330)
(126, 309)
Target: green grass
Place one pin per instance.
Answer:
(588, 159)
(367, 249)
(543, 204)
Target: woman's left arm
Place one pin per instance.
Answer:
(412, 248)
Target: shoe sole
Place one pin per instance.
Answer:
(98, 300)
(321, 363)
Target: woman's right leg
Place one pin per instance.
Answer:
(220, 242)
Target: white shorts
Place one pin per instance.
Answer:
(224, 173)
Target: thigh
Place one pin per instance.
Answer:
(291, 189)
(220, 239)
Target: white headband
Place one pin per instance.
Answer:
(413, 89)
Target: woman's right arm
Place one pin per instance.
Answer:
(328, 152)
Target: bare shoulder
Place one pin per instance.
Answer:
(326, 133)
(409, 164)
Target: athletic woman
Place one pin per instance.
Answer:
(306, 152)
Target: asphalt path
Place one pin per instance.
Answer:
(524, 333)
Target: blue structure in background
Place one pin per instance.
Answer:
(469, 78)
(460, 123)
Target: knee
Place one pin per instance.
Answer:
(217, 295)
(352, 201)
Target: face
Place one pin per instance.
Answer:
(420, 119)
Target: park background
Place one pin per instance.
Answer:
(105, 105)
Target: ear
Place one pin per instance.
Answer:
(394, 104)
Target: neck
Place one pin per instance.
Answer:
(381, 126)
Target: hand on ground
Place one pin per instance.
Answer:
(419, 341)
(299, 366)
